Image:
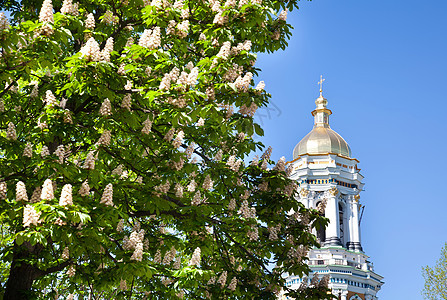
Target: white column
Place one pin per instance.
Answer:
(346, 227)
(304, 197)
(344, 295)
(355, 227)
(331, 212)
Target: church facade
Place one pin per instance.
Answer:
(328, 176)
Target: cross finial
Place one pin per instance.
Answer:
(321, 85)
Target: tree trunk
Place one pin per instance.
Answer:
(21, 275)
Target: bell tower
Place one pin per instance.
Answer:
(330, 181)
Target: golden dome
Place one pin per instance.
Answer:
(322, 139)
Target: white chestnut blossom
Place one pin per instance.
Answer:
(169, 135)
(90, 21)
(283, 15)
(3, 190)
(28, 151)
(219, 18)
(46, 12)
(90, 50)
(150, 38)
(281, 165)
(71, 271)
(253, 233)
(47, 190)
(192, 186)
(218, 156)
(108, 48)
(68, 118)
(65, 254)
(178, 190)
(233, 284)
(118, 170)
(66, 196)
(246, 211)
(242, 3)
(120, 226)
(68, 8)
(107, 196)
(248, 111)
(178, 139)
(138, 253)
(50, 99)
(123, 285)
(183, 28)
(170, 29)
(207, 183)
(4, 23)
(30, 216)
(21, 194)
(127, 102)
(106, 108)
(200, 122)
(85, 189)
(105, 138)
(212, 280)
(197, 199)
(157, 257)
(273, 232)
(109, 18)
(192, 77)
(260, 87)
(232, 205)
(222, 279)
(60, 153)
(89, 162)
(147, 126)
(163, 187)
(322, 206)
(224, 51)
(195, 259)
(35, 91)
(243, 83)
(11, 132)
(169, 256)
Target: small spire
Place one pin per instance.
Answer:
(321, 113)
(320, 83)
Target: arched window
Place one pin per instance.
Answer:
(341, 222)
(321, 233)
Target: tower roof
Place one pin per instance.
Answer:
(322, 139)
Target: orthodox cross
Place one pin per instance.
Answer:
(320, 83)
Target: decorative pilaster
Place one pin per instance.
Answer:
(331, 212)
(354, 244)
(304, 199)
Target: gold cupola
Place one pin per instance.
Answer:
(322, 139)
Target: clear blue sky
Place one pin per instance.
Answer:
(385, 67)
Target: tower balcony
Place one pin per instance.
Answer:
(341, 262)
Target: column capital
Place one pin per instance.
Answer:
(333, 191)
(304, 193)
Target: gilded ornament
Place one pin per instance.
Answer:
(333, 191)
(304, 193)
